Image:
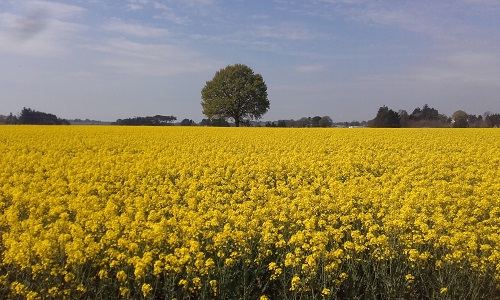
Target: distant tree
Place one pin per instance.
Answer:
(281, 123)
(290, 123)
(315, 121)
(187, 122)
(235, 92)
(33, 117)
(492, 120)
(162, 120)
(325, 121)
(460, 119)
(11, 119)
(476, 121)
(427, 117)
(303, 122)
(415, 115)
(429, 113)
(205, 122)
(386, 117)
(404, 118)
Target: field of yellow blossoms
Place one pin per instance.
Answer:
(249, 213)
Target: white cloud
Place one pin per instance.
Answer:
(37, 34)
(169, 13)
(54, 9)
(135, 29)
(178, 12)
(152, 59)
(286, 31)
(134, 5)
(408, 18)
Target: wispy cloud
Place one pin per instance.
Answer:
(54, 9)
(134, 5)
(441, 20)
(408, 17)
(168, 13)
(134, 29)
(178, 12)
(285, 31)
(147, 59)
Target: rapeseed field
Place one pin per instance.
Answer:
(249, 213)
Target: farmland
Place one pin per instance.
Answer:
(103, 212)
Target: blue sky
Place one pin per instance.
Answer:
(106, 60)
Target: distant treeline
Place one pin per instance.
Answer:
(157, 120)
(386, 117)
(430, 117)
(30, 116)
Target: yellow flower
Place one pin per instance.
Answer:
(409, 278)
(213, 285)
(146, 289)
(183, 282)
(121, 276)
(295, 283)
(124, 291)
(33, 296)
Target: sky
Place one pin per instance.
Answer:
(105, 60)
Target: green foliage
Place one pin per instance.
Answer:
(425, 117)
(10, 119)
(157, 120)
(386, 117)
(460, 119)
(493, 120)
(235, 92)
(325, 121)
(187, 122)
(32, 117)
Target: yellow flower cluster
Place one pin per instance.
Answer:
(248, 213)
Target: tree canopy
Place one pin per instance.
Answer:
(32, 117)
(235, 92)
(386, 117)
(460, 119)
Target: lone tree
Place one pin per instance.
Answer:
(235, 92)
